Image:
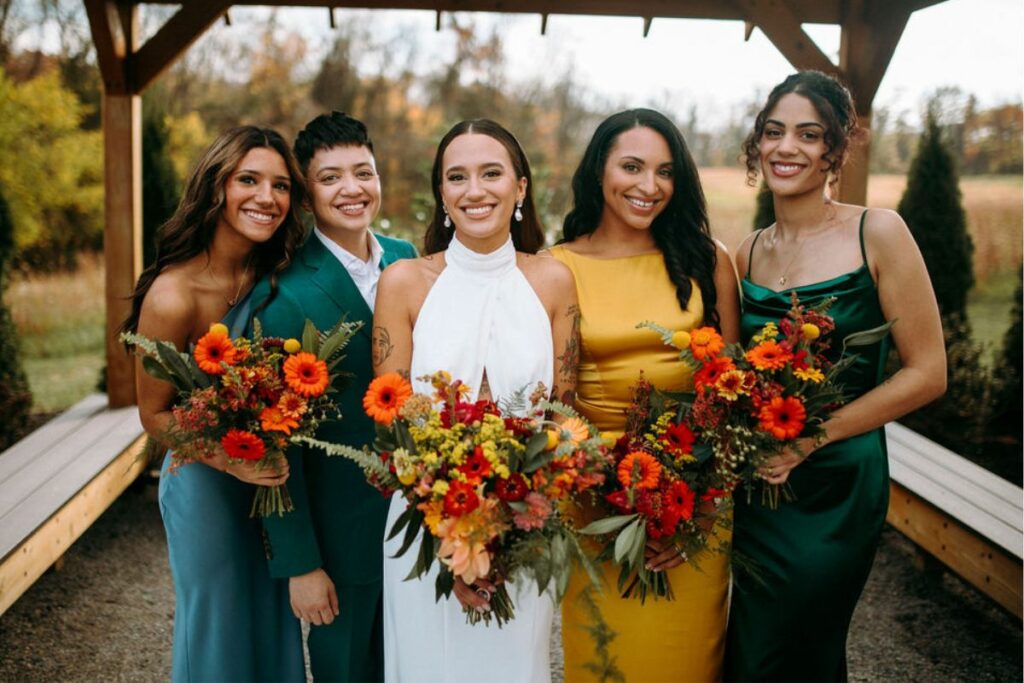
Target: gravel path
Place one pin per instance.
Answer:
(107, 615)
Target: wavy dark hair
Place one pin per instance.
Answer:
(190, 230)
(834, 104)
(527, 234)
(680, 231)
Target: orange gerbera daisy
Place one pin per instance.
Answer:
(243, 445)
(711, 370)
(705, 342)
(783, 417)
(273, 419)
(575, 429)
(212, 349)
(641, 468)
(305, 374)
(385, 397)
(769, 355)
(292, 405)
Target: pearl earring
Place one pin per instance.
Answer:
(518, 215)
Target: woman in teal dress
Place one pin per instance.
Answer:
(237, 220)
(813, 555)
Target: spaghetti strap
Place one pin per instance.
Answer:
(863, 251)
(750, 256)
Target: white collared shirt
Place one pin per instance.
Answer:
(366, 273)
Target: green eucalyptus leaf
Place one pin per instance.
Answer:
(607, 525)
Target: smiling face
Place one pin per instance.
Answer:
(793, 148)
(479, 189)
(344, 189)
(638, 179)
(257, 195)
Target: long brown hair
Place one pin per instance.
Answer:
(527, 234)
(190, 230)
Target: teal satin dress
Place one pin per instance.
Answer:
(813, 555)
(232, 622)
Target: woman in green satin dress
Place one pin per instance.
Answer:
(813, 555)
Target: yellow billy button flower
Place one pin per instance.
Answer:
(609, 438)
(292, 346)
(219, 328)
(552, 440)
(681, 340)
(810, 331)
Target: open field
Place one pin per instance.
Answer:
(60, 317)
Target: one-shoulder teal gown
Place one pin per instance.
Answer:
(232, 622)
(812, 555)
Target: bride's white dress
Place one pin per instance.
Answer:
(480, 316)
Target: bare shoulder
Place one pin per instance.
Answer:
(742, 258)
(884, 231)
(545, 269)
(412, 272)
(171, 296)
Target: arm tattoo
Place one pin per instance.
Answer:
(570, 358)
(382, 346)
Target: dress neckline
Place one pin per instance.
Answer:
(605, 258)
(492, 264)
(847, 275)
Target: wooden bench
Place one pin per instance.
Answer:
(57, 481)
(960, 513)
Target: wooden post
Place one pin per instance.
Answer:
(853, 183)
(122, 235)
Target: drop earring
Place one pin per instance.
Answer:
(447, 218)
(518, 215)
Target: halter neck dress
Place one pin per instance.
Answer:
(480, 317)
(813, 554)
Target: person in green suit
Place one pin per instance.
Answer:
(330, 546)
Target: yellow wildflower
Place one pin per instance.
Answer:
(769, 332)
(810, 375)
(440, 488)
(681, 340)
(292, 346)
(219, 329)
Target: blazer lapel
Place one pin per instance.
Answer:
(335, 282)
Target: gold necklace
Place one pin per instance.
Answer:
(238, 291)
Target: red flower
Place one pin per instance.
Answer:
(783, 418)
(678, 439)
(711, 370)
(511, 489)
(468, 413)
(679, 500)
(619, 499)
(460, 500)
(242, 445)
(520, 426)
(477, 467)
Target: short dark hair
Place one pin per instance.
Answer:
(336, 129)
(834, 104)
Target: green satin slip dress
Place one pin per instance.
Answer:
(812, 555)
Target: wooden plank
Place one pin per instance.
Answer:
(109, 39)
(122, 236)
(174, 38)
(20, 568)
(990, 570)
(810, 11)
(28, 498)
(943, 458)
(42, 439)
(966, 513)
(780, 23)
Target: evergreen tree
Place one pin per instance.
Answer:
(932, 209)
(15, 398)
(160, 184)
(1008, 413)
(765, 215)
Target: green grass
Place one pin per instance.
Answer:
(988, 310)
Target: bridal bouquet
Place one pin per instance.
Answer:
(250, 398)
(752, 403)
(662, 487)
(483, 481)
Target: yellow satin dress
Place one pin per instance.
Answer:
(659, 640)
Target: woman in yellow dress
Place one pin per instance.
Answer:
(637, 241)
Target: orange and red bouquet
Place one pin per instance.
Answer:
(485, 482)
(751, 403)
(663, 488)
(249, 398)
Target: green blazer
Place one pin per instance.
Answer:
(338, 521)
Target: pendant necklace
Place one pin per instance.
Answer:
(238, 291)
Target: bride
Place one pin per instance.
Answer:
(482, 306)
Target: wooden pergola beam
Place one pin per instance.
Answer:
(174, 38)
(109, 38)
(778, 21)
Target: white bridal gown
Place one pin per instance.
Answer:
(480, 315)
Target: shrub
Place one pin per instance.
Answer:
(15, 398)
(765, 214)
(932, 209)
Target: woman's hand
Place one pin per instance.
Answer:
(245, 470)
(660, 556)
(476, 596)
(776, 469)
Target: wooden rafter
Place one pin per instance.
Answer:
(173, 38)
(108, 35)
(778, 20)
(870, 34)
